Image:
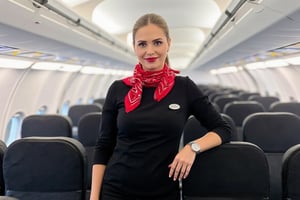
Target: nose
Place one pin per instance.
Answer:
(150, 50)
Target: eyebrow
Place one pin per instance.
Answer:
(152, 40)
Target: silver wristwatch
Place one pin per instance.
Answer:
(195, 147)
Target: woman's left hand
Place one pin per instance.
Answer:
(182, 163)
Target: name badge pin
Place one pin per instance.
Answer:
(174, 106)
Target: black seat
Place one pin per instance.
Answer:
(239, 110)
(88, 129)
(46, 126)
(221, 101)
(291, 173)
(7, 198)
(100, 101)
(235, 171)
(77, 111)
(292, 107)
(246, 95)
(274, 133)
(266, 101)
(3, 148)
(193, 129)
(45, 168)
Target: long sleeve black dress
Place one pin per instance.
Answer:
(138, 146)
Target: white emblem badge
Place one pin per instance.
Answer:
(174, 106)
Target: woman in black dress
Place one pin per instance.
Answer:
(137, 154)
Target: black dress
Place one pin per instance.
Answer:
(138, 146)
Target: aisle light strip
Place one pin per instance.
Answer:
(97, 70)
(14, 64)
(225, 70)
(293, 60)
(56, 66)
(276, 63)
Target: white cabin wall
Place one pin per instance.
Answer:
(78, 88)
(9, 79)
(281, 82)
(36, 89)
(28, 90)
(292, 75)
(87, 86)
(101, 85)
(238, 80)
(201, 77)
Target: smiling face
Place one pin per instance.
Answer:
(151, 47)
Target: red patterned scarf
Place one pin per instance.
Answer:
(163, 80)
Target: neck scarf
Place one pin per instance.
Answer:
(163, 80)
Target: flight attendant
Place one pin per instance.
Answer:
(137, 155)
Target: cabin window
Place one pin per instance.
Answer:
(13, 129)
(65, 108)
(91, 100)
(79, 101)
(42, 110)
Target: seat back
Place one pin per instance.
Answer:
(291, 173)
(246, 95)
(88, 130)
(239, 110)
(100, 101)
(292, 107)
(221, 101)
(46, 126)
(77, 111)
(193, 129)
(266, 101)
(45, 168)
(3, 148)
(236, 171)
(274, 133)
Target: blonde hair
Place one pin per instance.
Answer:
(151, 18)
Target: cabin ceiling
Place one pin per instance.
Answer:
(263, 25)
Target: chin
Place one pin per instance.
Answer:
(151, 67)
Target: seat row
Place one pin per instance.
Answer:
(273, 132)
(51, 168)
(60, 126)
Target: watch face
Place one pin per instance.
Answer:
(195, 147)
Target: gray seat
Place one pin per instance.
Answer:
(274, 133)
(3, 148)
(77, 111)
(46, 126)
(221, 101)
(245, 95)
(266, 101)
(7, 198)
(292, 107)
(88, 130)
(291, 173)
(45, 168)
(100, 101)
(235, 171)
(239, 110)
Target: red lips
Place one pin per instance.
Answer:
(151, 59)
